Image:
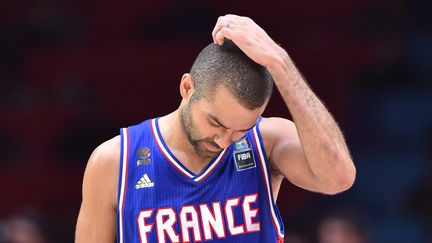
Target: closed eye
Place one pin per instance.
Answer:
(213, 123)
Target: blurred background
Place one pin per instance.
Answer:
(72, 73)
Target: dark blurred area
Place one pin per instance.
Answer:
(72, 73)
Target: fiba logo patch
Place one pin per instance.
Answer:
(243, 155)
(143, 154)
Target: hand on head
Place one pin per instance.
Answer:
(249, 37)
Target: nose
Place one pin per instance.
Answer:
(223, 139)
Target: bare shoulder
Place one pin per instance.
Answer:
(103, 168)
(107, 154)
(275, 129)
(96, 220)
(276, 133)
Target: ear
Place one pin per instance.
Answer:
(187, 86)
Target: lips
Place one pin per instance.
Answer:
(211, 148)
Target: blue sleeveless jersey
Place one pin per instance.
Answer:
(160, 200)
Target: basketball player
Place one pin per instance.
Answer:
(212, 169)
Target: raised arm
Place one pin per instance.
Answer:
(311, 152)
(97, 216)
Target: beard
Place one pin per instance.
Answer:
(193, 134)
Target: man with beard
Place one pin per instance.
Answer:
(212, 169)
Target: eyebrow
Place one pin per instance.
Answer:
(222, 125)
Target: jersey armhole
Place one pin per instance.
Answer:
(121, 194)
(259, 143)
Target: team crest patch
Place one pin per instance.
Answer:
(242, 144)
(243, 155)
(143, 154)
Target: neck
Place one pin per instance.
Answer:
(174, 136)
(173, 133)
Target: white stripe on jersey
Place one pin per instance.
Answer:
(267, 180)
(174, 162)
(165, 152)
(123, 181)
(209, 169)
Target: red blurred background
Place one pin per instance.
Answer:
(72, 73)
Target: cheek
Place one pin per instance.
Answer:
(202, 129)
(208, 131)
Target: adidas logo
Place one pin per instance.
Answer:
(144, 182)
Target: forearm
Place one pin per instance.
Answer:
(323, 143)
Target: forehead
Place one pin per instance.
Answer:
(224, 106)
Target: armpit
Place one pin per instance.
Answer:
(274, 171)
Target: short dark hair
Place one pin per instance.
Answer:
(250, 83)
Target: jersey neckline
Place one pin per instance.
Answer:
(176, 163)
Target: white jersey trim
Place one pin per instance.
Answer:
(174, 162)
(209, 169)
(267, 180)
(165, 152)
(125, 147)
